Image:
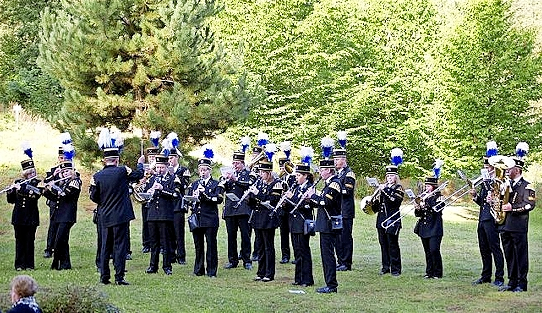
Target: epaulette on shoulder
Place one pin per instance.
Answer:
(336, 186)
(278, 185)
(76, 183)
(529, 186)
(351, 174)
(128, 170)
(187, 173)
(92, 181)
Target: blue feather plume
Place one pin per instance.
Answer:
(437, 166)
(263, 139)
(396, 156)
(27, 149)
(327, 147)
(245, 143)
(491, 149)
(270, 150)
(522, 149)
(155, 138)
(306, 155)
(208, 151)
(68, 151)
(341, 138)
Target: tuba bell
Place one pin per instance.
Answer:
(256, 159)
(500, 187)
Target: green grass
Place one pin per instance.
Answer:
(361, 290)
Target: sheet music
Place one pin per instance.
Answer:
(190, 198)
(410, 193)
(233, 197)
(485, 173)
(372, 181)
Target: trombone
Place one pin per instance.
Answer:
(459, 193)
(387, 223)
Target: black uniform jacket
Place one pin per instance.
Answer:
(430, 222)
(182, 182)
(244, 180)
(303, 210)
(270, 193)
(387, 203)
(522, 198)
(348, 183)
(109, 189)
(25, 200)
(161, 204)
(329, 204)
(480, 199)
(207, 206)
(64, 200)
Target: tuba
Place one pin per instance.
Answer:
(500, 187)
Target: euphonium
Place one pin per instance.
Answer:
(256, 159)
(368, 201)
(138, 190)
(500, 188)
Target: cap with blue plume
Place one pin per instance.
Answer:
(341, 139)
(208, 155)
(167, 146)
(286, 147)
(307, 154)
(263, 139)
(327, 149)
(437, 167)
(522, 148)
(491, 149)
(108, 144)
(174, 140)
(267, 164)
(245, 143)
(396, 160)
(27, 150)
(155, 138)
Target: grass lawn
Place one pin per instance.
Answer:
(360, 290)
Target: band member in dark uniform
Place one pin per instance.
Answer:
(182, 176)
(288, 181)
(299, 209)
(429, 226)
(488, 235)
(264, 199)
(51, 175)
(387, 201)
(24, 194)
(65, 194)
(109, 189)
(152, 152)
(257, 156)
(329, 205)
(516, 224)
(209, 195)
(236, 213)
(163, 191)
(345, 244)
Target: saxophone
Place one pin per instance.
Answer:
(500, 194)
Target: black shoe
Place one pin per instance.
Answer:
(151, 270)
(255, 258)
(498, 283)
(427, 276)
(294, 261)
(128, 256)
(383, 272)
(296, 283)
(105, 281)
(506, 288)
(480, 281)
(47, 254)
(146, 250)
(306, 285)
(284, 260)
(395, 274)
(326, 290)
(518, 289)
(121, 282)
(168, 271)
(230, 265)
(257, 278)
(182, 262)
(267, 279)
(248, 266)
(343, 268)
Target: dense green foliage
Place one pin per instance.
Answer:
(154, 65)
(21, 80)
(392, 74)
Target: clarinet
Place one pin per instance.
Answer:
(302, 198)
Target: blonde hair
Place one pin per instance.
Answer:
(24, 286)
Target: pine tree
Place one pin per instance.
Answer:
(152, 64)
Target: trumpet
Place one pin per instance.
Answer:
(387, 223)
(15, 184)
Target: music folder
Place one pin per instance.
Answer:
(372, 181)
(233, 197)
(410, 193)
(190, 198)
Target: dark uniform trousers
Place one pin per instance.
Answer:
(209, 234)
(61, 256)
(266, 263)
(433, 258)
(114, 236)
(490, 245)
(303, 259)
(24, 246)
(514, 233)
(145, 236)
(51, 231)
(179, 218)
(284, 236)
(489, 242)
(329, 263)
(232, 224)
(345, 244)
(160, 238)
(390, 250)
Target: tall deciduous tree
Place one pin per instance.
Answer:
(493, 73)
(21, 80)
(154, 64)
